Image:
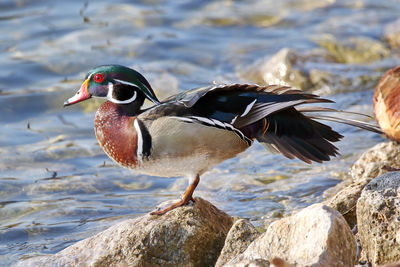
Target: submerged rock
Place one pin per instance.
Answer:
(378, 218)
(355, 50)
(238, 239)
(187, 236)
(315, 236)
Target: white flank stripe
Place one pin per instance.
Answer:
(214, 122)
(139, 149)
(249, 106)
(203, 120)
(183, 119)
(234, 119)
(217, 122)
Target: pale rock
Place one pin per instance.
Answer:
(238, 239)
(378, 218)
(316, 236)
(192, 235)
(283, 68)
(345, 201)
(251, 263)
(375, 161)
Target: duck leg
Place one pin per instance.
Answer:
(187, 196)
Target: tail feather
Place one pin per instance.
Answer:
(294, 135)
(324, 109)
(356, 123)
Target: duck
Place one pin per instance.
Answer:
(386, 104)
(189, 133)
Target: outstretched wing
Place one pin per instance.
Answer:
(269, 114)
(243, 104)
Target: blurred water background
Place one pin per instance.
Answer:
(56, 184)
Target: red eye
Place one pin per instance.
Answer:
(98, 77)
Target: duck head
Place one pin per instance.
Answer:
(118, 84)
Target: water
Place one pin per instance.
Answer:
(56, 184)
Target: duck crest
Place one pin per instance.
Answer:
(117, 135)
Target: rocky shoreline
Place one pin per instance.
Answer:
(319, 235)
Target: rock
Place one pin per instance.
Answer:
(316, 71)
(238, 239)
(192, 235)
(332, 78)
(283, 68)
(395, 264)
(355, 50)
(378, 219)
(251, 263)
(345, 201)
(372, 163)
(316, 236)
(391, 34)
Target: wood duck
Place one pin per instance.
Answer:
(188, 133)
(387, 103)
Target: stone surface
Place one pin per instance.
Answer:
(355, 50)
(315, 236)
(283, 68)
(378, 218)
(238, 239)
(316, 71)
(345, 201)
(192, 235)
(372, 163)
(251, 263)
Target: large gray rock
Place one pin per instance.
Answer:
(378, 217)
(375, 161)
(188, 236)
(315, 236)
(238, 239)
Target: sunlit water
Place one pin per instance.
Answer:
(56, 184)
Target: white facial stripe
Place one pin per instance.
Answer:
(139, 148)
(249, 106)
(110, 96)
(127, 83)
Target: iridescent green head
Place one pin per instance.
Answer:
(119, 84)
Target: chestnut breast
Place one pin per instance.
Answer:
(116, 134)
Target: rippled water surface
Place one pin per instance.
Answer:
(56, 184)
